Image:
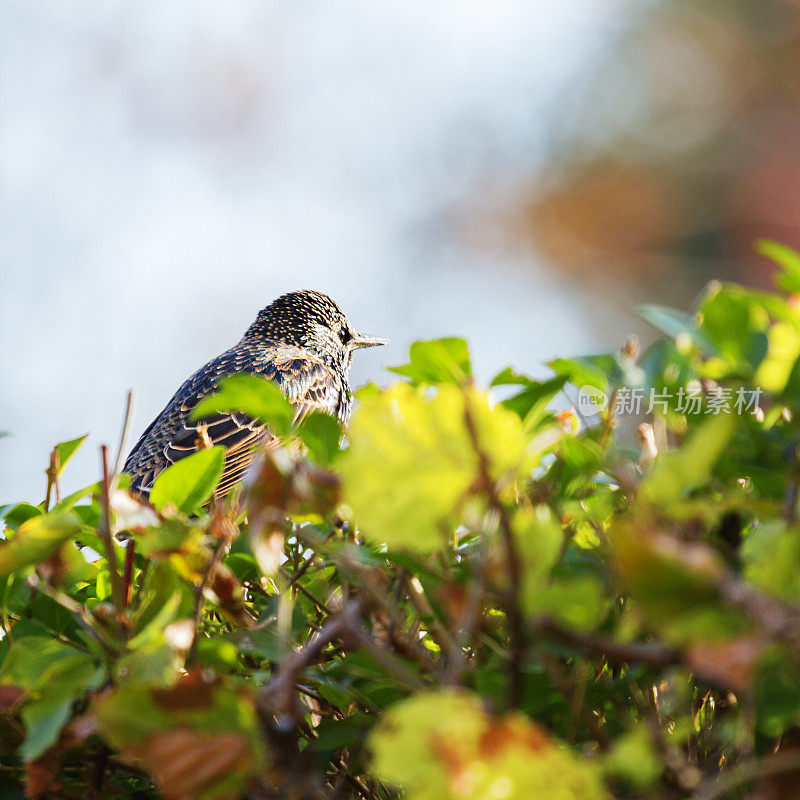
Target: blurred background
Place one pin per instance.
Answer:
(519, 172)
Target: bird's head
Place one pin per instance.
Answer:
(314, 322)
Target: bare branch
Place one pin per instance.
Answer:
(130, 403)
(654, 655)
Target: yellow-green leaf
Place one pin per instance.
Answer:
(37, 539)
(444, 746)
(188, 483)
(411, 461)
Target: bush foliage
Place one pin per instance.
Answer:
(468, 597)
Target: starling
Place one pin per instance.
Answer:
(303, 341)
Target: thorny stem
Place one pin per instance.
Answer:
(513, 610)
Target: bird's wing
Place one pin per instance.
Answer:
(307, 382)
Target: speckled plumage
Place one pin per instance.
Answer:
(302, 341)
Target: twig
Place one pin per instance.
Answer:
(467, 622)
(130, 402)
(385, 658)
(82, 616)
(277, 697)
(127, 576)
(513, 609)
(117, 594)
(778, 619)
(198, 597)
(654, 655)
(440, 634)
(775, 764)
(291, 581)
(52, 478)
(375, 597)
(99, 769)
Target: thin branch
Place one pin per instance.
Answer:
(82, 616)
(779, 620)
(467, 621)
(278, 696)
(385, 658)
(117, 594)
(440, 634)
(513, 607)
(130, 402)
(219, 551)
(774, 764)
(654, 655)
(53, 468)
(127, 576)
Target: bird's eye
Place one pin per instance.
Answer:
(344, 335)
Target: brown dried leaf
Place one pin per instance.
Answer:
(188, 765)
(41, 775)
(284, 481)
(10, 696)
(730, 664)
(192, 691)
(229, 594)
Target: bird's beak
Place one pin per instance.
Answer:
(363, 340)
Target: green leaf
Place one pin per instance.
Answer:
(783, 352)
(510, 377)
(531, 402)
(771, 557)
(54, 675)
(37, 539)
(676, 472)
(190, 482)
(65, 451)
(675, 324)
(437, 361)
(787, 259)
(420, 447)
(776, 691)
(15, 515)
(254, 395)
(70, 500)
(675, 584)
(443, 746)
(634, 758)
(321, 433)
(579, 602)
(580, 372)
(735, 322)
